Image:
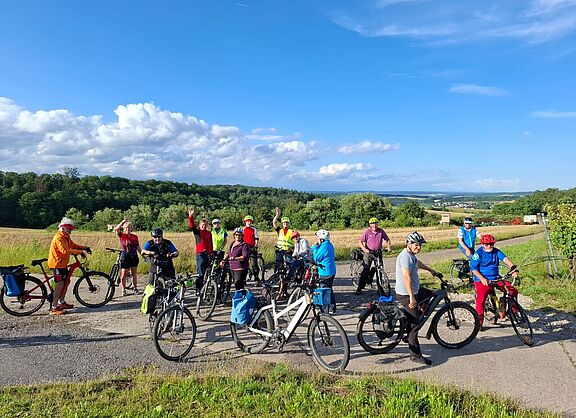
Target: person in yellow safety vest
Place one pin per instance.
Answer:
(219, 236)
(284, 242)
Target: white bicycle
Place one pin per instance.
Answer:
(327, 339)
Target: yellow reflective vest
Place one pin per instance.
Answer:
(284, 240)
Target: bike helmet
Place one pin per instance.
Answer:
(468, 220)
(415, 238)
(216, 221)
(487, 239)
(157, 232)
(295, 234)
(323, 234)
(373, 220)
(285, 219)
(248, 218)
(66, 223)
(239, 231)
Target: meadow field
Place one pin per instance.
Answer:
(20, 246)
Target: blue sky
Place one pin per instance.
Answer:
(384, 95)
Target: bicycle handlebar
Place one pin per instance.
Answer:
(114, 250)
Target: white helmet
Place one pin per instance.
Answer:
(66, 223)
(323, 234)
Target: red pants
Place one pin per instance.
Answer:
(483, 291)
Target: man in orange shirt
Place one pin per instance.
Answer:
(61, 248)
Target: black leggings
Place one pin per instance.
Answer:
(239, 277)
(413, 316)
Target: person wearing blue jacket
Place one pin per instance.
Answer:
(323, 254)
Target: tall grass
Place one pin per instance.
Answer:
(266, 391)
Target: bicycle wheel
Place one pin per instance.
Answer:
(174, 333)
(115, 274)
(329, 343)
(250, 341)
(207, 300)
(382, 282)
(32, 298)
(520, 322)
(455, 325)
(225, 287)
(296, 294)
(261, 267)
(355, 271)
(94, 289)
(490, 310)
(377, 335)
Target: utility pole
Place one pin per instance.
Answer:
(549, 248)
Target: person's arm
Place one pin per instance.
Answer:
(191, 219)
(275, 219)
(146, 249)
(475, 269)
(225, 239)
(363, 240)
(386, 239)
(502, 257)
(256, 237)
(118, 228)
(408, 284)
(174, 252)
(77, 248)
(460, 237)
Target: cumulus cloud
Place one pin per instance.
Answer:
(366, 147)
(144, 141)
(479, 90)
(438, 21)
(552, 114)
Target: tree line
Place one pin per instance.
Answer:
(30, 200)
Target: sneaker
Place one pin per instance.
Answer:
(494, 320)
(65, 305)
(57, 310)
(124, 293)
(483, 328)
(420, 359)
(136, 291)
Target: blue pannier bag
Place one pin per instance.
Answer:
(321, 296)
(243, 307)
(386, 299)
(14, 280)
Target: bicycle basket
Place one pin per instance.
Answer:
(321, 296)
(357, 254)
(14, 280)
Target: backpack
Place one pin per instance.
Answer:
(14, 280)
(148, 300)
(243, 307)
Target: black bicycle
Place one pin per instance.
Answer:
(116, 267)
(256, 266)
(277, 281)
(384, 323)
(216, 287)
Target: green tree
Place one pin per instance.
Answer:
(563, 230)
(357, 209)
(103, 218)
(80, 218)
(173, 218)
(142, 217)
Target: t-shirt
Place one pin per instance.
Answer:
(129, 243)
(250, 235)
(407, 260)
(373, 239)
(487, 263)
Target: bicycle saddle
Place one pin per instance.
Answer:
(38, 262)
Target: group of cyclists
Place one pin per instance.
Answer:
(241, 252)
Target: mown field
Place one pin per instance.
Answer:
(19, 246)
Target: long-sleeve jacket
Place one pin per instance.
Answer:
(203, 237)
(323, 253)
(61, 248)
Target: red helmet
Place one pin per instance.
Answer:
(295, 234)
(487, 239)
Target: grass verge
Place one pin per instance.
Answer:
(266, 391)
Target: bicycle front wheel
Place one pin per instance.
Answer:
(329, 343)
(296, 294)
(490, 310)
(94, 289)
(455, 325)
(250, 341)
(355, 271)
(174, 333)
(520, 322)
(115, 274)
(377, 335)
(32, 298)
(206, 302)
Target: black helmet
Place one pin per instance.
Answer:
(468, 220)
(157, 232)
(415, 238)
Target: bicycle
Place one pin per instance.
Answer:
(376, 271)
(174, 331)
(256, 266)
(356, 265)
(278, 279)
(216, 288)
(460, 271)
(326, 338)
(93, 289)
(115, 270)
(383, 324)
(310, 278)
(508, 306)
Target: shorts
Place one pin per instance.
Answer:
(60, 274)
(129, 260)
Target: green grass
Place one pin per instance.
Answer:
(263, 392)
(548, 293)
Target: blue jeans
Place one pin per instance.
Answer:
(202, 261)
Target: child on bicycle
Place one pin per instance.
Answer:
(61, 248)
(484, 265)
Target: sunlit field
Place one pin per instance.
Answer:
(20, 246)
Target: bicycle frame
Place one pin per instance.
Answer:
(304, 305)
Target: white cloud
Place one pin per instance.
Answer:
(479, 90)
(552, 114)
(440, 21)
(497, 184)
(368, 147)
